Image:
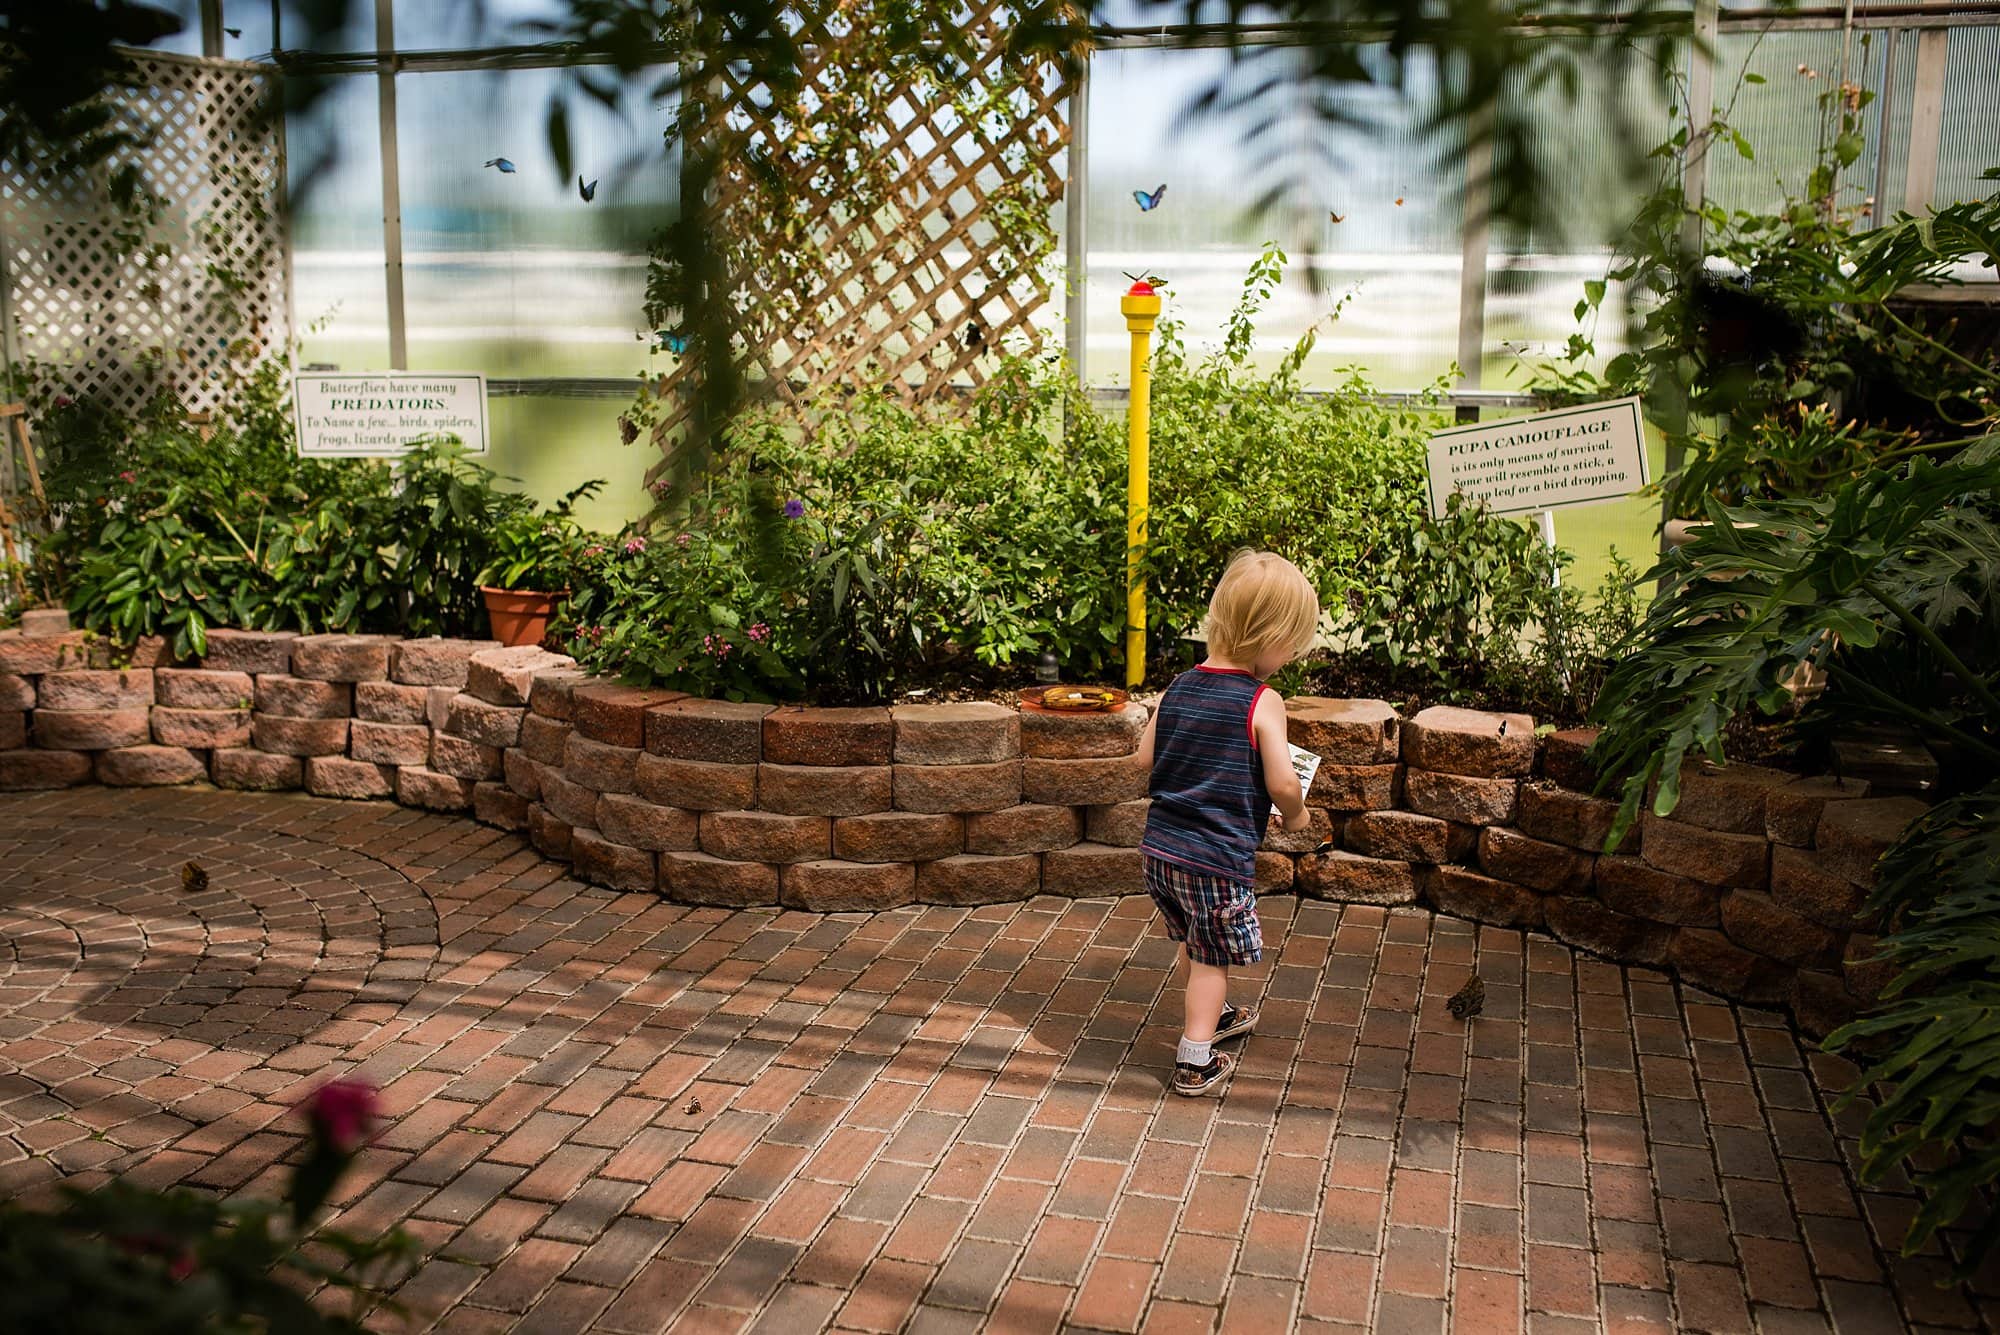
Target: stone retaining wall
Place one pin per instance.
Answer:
(1750, 889)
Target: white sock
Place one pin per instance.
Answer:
(1193, 1053)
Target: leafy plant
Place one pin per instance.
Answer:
(539, 550)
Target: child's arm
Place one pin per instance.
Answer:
(1280, 780)
(1145, 751)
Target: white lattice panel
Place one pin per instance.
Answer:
(120, 305)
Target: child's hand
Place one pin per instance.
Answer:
(1293, 824)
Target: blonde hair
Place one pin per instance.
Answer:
(1263, 602)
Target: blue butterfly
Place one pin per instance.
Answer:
(502, 163)
(1147, 203)
(674, 343)
(589, 192)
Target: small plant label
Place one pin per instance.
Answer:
(385, 413)
(1304, 764)
(1571, 456)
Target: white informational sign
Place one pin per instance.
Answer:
(1304, 764)
(385, 412)
(1570, 456)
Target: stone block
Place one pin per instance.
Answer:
(149, 767)
(1031, 827)
(973, 878)
(1084, 783)
(33, 655)
(616, 715)
(1470, 742)
(434, 661)
(1405, 836)
(348, 658)
(385, 743)
(1354, 787)
(957, 788)
(1121, 823)
(437, 706)
(974, 733)
(825, 790)
(832, 886)
(600, 766)
(1759, 924)
(388, 702)
(131, 689)
(1634, 888)
(549, 833)
(1086, 871)
(1821, 1003)
(16, 692)
(14, 729)
(256, 652)
(1709, 959)
(462, 759)
(602, 862)
(1739, 861)
(800, 735)
(698, 878)
(418, 786)
(695, 784)
(1099, 736)
(1344, 732)
(625, 819)
(506, 676)
(1566, 759)
(721, 732)
(1802, 882)
(255, 771)
(148, 651)
(298, 697)
(899, 836)
(1729, 798)
(337, 776)
(1589, 925)
(21, 771)
(482, 721)
(286, 736)
(42, 622)
(1468, 894)
(1454, 797)
(1549, 868)
(1792, 811)
(91, 729)
(571, 803)
(201, 729)
(1276, 873)
(765, 836)
(1890, 760)
(552, 692)
(199, 688)
(1851, 836)
(545, 740)
(1864, 968)
(521, 772)
(1349, 878)
(1320, 827)
(1563, 816)
(498, 805)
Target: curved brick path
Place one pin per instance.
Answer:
(927, 1120)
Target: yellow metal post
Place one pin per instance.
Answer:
(1141, 308)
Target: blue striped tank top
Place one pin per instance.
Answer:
(1210, 806)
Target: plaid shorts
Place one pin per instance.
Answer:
(1216, 916)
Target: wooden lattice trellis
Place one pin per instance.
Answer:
(909, 256)
(118, 303)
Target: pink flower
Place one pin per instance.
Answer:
(342, 1114)
(63, 401)
(635, 545)
(683, 540)
(593, 550)
(128, 476)
(759, 631)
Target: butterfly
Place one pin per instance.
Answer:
(194, 878)
(234, 32)
(1399, 201)
(502, 163)
(1337, 217)
(1147, 203)
(1469, 1000)
(975, 335)
(589, 192)
(674, 343)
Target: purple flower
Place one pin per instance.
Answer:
(635, 545)
(794, 508)
(342, 1114)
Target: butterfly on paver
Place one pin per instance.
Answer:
(694, 1107)
(1468, 1000)
(194, 878)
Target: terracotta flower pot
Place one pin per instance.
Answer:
(520, 616)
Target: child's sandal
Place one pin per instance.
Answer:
(1194, 1081)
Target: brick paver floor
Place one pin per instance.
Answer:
(612, 1113)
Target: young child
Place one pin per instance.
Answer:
(1216, 745)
